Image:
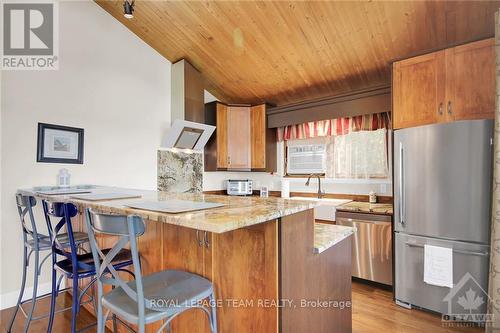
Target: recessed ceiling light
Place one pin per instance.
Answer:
(128, 9)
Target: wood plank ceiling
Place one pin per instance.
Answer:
(283, 52)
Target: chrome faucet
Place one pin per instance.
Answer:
(320, 193)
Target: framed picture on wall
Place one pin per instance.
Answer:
(59, 144)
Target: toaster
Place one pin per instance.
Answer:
(239, 187)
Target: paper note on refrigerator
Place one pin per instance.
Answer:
(438, 266)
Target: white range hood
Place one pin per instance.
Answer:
(188, 130)
(187, 135)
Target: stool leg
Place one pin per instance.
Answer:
(21, 292)
(115, 327)
(75, 305)
(213, 317)
(53, 296)
(35, 291)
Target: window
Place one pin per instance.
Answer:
(306, 156)
(360, 154)
(357, 155)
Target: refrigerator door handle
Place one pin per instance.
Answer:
(472, 253)
(401, 186)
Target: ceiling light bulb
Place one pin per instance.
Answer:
(128, 9)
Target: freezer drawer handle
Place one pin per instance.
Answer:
(472, 253)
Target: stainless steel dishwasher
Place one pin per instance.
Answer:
(371, 245)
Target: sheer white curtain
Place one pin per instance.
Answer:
(360, 154)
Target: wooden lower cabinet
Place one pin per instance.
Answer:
(182, 250)
(241, 264)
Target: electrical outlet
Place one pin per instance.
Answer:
(383, 188)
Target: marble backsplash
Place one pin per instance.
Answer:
(180, 172)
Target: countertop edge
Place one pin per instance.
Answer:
(329, 235)
(239, 222)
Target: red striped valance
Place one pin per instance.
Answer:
(340, 126)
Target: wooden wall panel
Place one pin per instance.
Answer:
(249, 259)
(325, 276)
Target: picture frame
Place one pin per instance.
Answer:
(59, 144)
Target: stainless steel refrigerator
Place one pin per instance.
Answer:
(442, 197)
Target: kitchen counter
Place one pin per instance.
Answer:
(366, 207)
(263, 252)
(327, 235)
(237, 212)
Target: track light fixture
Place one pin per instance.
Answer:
(128, 9)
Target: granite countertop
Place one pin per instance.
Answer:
(366, 207)
(237, 212)
(327, 235)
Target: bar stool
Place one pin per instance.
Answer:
(158, 296)
(74, 266)
(34, 243)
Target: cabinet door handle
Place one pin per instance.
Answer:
(207, 241)
(449, 108)
(440, 109)
(228, 160)
(198, 239)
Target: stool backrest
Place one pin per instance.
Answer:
(127, 229)
(25, 204)
(64, 212)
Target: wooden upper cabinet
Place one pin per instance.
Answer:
(221, 138)
(470, 72)
(418, 90)
(453, 84)
(238, 138)
(241, 141)
(258, 136)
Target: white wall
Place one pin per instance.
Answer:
(111, 84)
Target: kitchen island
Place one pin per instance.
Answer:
(273, 270)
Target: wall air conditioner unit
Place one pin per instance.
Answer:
(306, 159)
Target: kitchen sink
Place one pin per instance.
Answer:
(326, 206)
